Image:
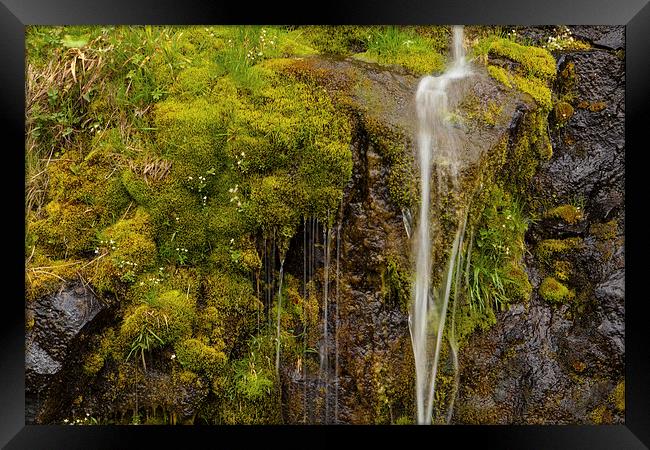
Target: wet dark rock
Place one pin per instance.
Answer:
(559, 363)
(59, 320)
(605, 36)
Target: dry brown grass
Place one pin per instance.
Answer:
(72, 74)
(152, 169)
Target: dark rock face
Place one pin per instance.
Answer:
(550, 363)
(608, 37)
(59, 320)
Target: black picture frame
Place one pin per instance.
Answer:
(634, 14)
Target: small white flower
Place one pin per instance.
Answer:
(173, 356)
(65, 420)
(243, 154)
(96, 250)
(87, 414)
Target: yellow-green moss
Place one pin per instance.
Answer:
(568, 213)
(534, 61)
(600, 415)
(392, 146)
(124, 251)
(550, 248)
(501, 75)
(517, 286)
(43, 276)
(170, 315)
(592, 106)
(563, 111)
(396, 285)
(617, 397)
(554, 291)
(533, 71)
(95, 360)
(604, 231)
(68, 229)
(562, 270)
(198, 357)
(539, 91)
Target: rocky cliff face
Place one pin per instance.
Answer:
(564, 363)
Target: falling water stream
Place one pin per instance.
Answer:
(436, 147)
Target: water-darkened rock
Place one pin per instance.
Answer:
(58, 321)
(606, 36)
(560, 363)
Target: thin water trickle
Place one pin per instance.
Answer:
(279, 306)
(437, 146)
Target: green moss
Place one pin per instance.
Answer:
(601, 415)
(533, 70)
(550, 248)
(170, 315)
(592, 106)
(198, 357)
(568, 213)
(501, 75)
(196, 81)
(404, 420)
(126, 249)
(617, 397)
(604, 231)
(396, 285)
(562, 270)
(68, 229)
(540, 92)
(554, 291)
(533, 61)
(517, 285)
(391, 144)
(95, 360)
(563, 111)
(337, 40)
(193, 132)
(236, 306)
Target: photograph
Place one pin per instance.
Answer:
(325, 224)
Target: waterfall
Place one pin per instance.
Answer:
(437, 147)
(279, 306)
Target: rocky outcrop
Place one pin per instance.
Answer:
(59, 321)
(564, 363)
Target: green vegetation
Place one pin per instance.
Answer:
(568, 213)
(496, 277)
(550, 248)
(604, 231)
(164, 163)
(554, 291)
(530, 69)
